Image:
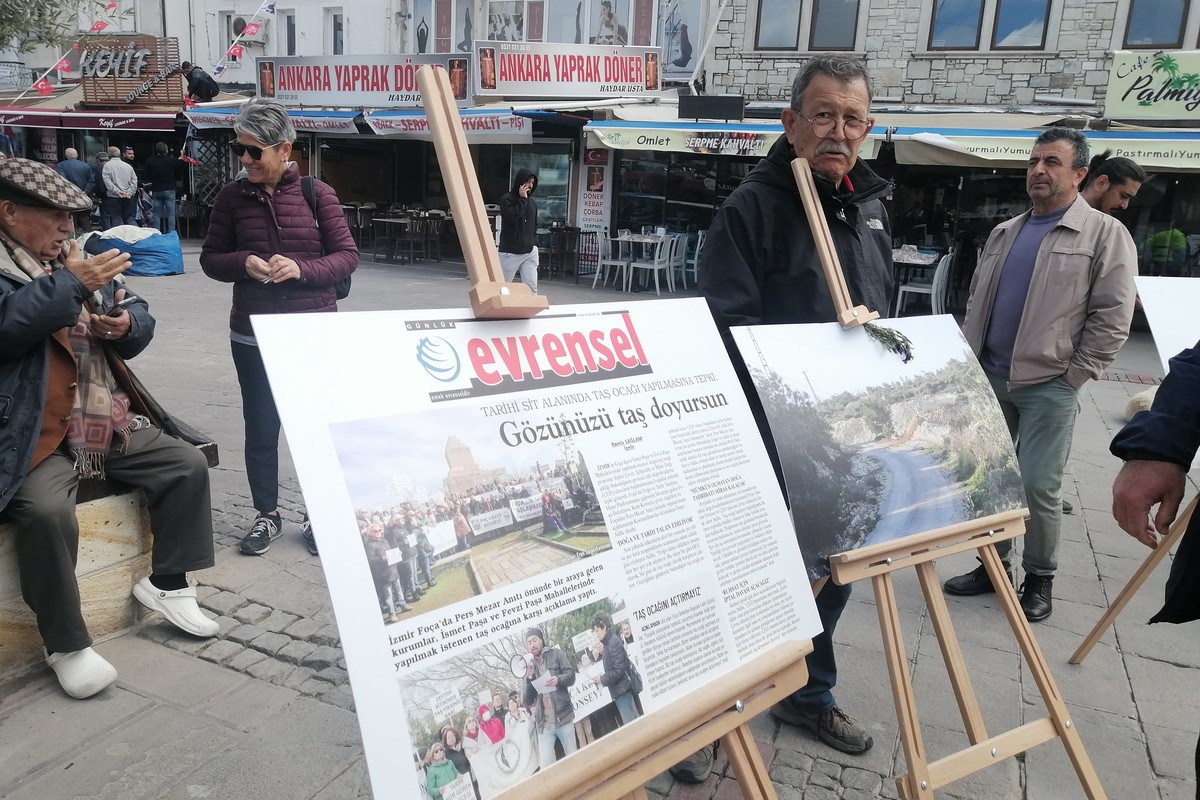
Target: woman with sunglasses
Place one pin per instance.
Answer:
(281, 258)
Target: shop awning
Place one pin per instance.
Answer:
(1175, 150)
(118, 121)
(30, 118)
(302, 120)
(752, 139)
(481, 126)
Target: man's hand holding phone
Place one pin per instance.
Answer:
(114, 323)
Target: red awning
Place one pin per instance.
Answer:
(111, 120)
(30, 118)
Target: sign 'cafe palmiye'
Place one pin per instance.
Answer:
(130, 71)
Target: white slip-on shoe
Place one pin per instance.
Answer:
(178, 607)
(82, 673)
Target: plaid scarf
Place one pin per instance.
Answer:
(101, 409)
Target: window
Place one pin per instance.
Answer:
(956, 25)
(778, 25)
(1155, 23)
(227, 31)
(1020, 23)
(992, 24)
(287, 29)
(335, 41)
(834, 25)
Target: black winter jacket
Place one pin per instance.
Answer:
(246, 219)
(518, 217)
(759, 263)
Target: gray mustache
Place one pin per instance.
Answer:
(840, 148)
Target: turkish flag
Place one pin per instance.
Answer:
(251, 29)
(111, 5)
(63, 64)
(235, 51)
(43, 87)
(98, 26)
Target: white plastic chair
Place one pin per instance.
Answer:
(617, 262)
(659, 262)
(678, 258)
(934, 287)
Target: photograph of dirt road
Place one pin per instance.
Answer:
(873, 448)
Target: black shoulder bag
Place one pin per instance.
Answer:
(308, 186)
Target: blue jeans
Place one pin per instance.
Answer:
(1041, 420)
(262, 427)
(423, 565)
(816, 696)
(626, 708)
(565, 733)
(164, 207)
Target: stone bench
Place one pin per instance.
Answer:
(114, 553)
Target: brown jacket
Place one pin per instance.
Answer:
(1080, 301)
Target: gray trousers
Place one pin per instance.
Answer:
(174, 475)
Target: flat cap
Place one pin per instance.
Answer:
(31, 183)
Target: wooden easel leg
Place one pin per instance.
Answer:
(1148, 566)
(1041, 675)
(943, 628)
(747, 763)
(637, 794)
(915, 785)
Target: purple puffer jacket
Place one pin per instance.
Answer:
(246, 220)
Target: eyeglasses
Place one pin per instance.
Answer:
(255, 152)
(823, 124)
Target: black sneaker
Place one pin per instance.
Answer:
(1068, 508)
(307, 535)
(697, 767)
(265, 530)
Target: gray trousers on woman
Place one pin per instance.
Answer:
(174, 475)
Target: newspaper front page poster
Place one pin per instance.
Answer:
(521, 521)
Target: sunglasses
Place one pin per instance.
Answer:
(255, 152)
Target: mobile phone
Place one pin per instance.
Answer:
(115, 311)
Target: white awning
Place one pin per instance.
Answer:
(743, 138)
(481, 126)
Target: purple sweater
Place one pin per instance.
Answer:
(247, 220)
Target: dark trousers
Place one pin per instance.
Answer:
(128, 206)
(816, 696)
(262, 427)
(110, 213)
(173, 474)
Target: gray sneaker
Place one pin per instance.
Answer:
(306, 534)
(264, 531)
(697, 767)
(835, 728)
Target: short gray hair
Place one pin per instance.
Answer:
(1076, 138)
(265, 120)
(839, 67)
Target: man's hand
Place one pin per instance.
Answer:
(1141, 484)
(258, 269)
(283, 269)
(98, 270)
(103, 326)
(552, 681)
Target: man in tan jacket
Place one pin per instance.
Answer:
(1051, 303)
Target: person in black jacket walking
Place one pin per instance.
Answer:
(616, 667)
(518, 231)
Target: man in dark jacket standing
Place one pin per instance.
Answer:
(82, 175)
(161, 171)
(553, 713)
(200, 85)
(518, 231)
(760, 266)
(72, 412)
(616, 667)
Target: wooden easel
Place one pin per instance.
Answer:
(491, 296)
(848, 315)
(878, 562)
(619, 765)
(1174, 533)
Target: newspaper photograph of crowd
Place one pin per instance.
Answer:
(488, 717)
(443, 518)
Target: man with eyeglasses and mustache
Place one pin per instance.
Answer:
(760, 266)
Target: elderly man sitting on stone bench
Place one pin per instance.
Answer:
(70, 409)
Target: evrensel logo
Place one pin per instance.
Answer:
(439, 358)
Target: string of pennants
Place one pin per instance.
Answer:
(42, 85)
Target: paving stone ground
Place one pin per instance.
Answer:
(266, 710)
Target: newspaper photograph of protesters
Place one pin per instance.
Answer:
(444, 517)
(559, 690)
(874, 447)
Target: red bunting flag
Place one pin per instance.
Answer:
(111, 5)
(189, 102)
(63, 64)
(251, 29)
(190, 160)
(98, 26)
(235, 51)
(43, 87)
